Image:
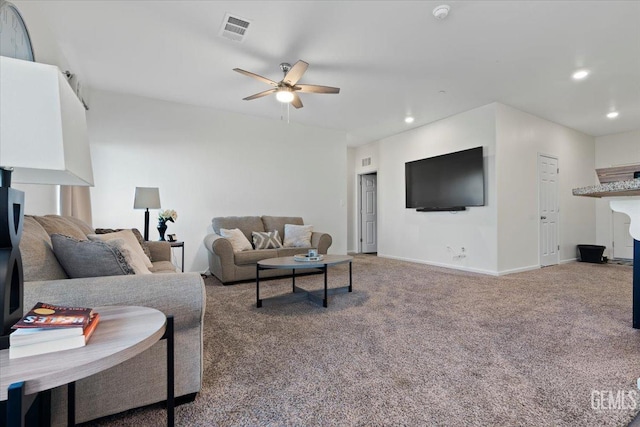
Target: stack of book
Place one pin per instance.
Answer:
(47, 328)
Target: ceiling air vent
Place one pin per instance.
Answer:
(234, 28)
(366, 162)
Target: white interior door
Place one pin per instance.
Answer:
(622, 240)
(368, 213)
(548, 207)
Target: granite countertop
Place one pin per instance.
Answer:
(610, 189)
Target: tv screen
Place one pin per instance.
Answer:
(447, 182)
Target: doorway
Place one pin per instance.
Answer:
(548, 209)
(368, 218)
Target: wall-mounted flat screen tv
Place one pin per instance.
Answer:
(448, 182)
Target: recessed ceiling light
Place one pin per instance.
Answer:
(441, 12)
(580, 74)
(612, 115)
(409, 119)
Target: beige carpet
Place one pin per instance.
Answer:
(417, 345)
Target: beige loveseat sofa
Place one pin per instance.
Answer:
(229, 266)
(141, 380)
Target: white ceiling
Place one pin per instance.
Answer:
(390, 58)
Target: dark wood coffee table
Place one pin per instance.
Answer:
(289, 263)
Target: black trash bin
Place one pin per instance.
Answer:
(591, 253)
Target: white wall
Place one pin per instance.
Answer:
(501, 237)
(351, 238)
(359, 153)
(212, 163)
(520, 137)
(613, 150)
(39, 199)
(424, 236)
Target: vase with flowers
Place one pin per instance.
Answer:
(164, 217)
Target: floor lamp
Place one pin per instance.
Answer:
(39, 113)
(146, 198)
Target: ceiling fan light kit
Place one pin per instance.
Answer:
(286, 88)
(284, 95)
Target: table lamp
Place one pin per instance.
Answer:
(43, 140)
(146, 198)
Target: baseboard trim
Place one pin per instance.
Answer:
(473, 270)
(438, 264)
(518, 270)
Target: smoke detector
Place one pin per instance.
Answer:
(441, 12)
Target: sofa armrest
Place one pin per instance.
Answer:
(322, 241)
(221, 257)
(179, 294)
(219, 246)
(160, 251)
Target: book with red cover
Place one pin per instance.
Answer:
(50, 345)
(44, 315)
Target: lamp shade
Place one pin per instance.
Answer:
(147, 198)
(43, 128)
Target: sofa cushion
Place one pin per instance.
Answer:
(297, 236)
(38, 260)
(163, 267)
(237, 239)
(266, 240)
(246, 224)
(86, 258)
(277, 223)
(83, 226)
(292, 251)
(55, 224)
(132, 242)
(143, 243)
(252, 257)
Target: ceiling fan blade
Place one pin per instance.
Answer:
(260, 95)
(296, 101)
(295, 73)
(316, 89)
(255, 76)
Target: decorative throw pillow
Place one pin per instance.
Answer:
(85, 258)
(135, 231)
(266, 240)
(297, 236)
(130, 239)
(238, 240)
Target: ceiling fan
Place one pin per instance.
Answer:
(286, 88)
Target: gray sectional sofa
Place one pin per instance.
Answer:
(229, 266)
(139, 381)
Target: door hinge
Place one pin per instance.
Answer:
(558, 247)
(558, 170)
(360, 240)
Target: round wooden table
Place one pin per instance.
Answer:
(123, 332)
(289, 263)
